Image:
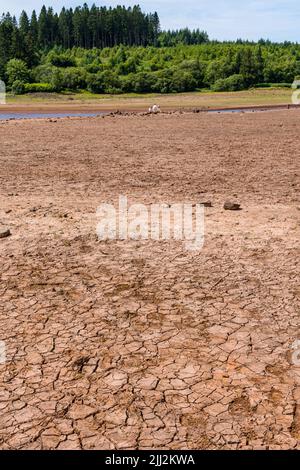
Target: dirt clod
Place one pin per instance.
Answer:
(5, 232)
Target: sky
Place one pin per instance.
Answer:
(277, 20)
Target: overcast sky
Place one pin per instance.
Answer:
(278, 20)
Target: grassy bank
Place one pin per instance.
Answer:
(140, 102)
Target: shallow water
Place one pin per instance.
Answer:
(245, 110)
(221, 111)
(9, 116)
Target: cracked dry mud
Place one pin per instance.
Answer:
(142, 344)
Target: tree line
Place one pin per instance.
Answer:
(95, 27)
(122, 50)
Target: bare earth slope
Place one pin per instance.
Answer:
(142, 344)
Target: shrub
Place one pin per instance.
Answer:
(111, 82)
(142, 82)
(183, 81)
(113, 90)
(130, 66)
(104, 82)
(232, 83)
(43, 73)
(163, 81)
(73, 78)
(94, 67)
(281, 72)
(39, 88)
(95, 83)
(18, 87)
(56, 80)
(16, 69)
(215, 71)
(61, 60)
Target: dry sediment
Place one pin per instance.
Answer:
(142, 344)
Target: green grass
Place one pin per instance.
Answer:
(205, 99)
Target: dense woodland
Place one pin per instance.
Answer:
(122, 50)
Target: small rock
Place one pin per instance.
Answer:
(5, 232)
(232, 206)
(8, 211)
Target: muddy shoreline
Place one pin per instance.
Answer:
(84, 108)
(84, 113)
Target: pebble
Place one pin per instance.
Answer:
(4, 232)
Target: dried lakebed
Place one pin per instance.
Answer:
(143, 344)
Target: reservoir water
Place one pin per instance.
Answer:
(10, 116)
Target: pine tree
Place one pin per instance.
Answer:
(43, 28)
(64, 30)
(93, 26)
(7, 27)
(24, 24)
(259, 64)
(77, 27)
(34, 28)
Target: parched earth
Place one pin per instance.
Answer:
(144, 344)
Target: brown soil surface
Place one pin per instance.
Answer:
(143, 344)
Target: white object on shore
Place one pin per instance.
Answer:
(154, 109)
